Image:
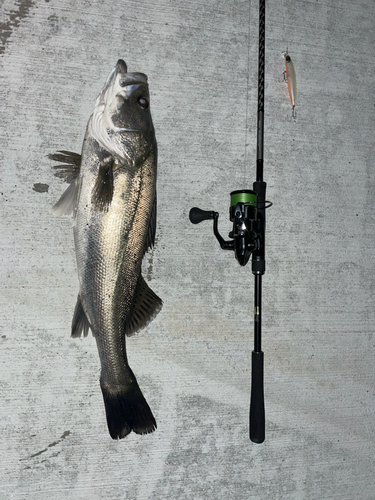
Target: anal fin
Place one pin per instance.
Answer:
(145, 307)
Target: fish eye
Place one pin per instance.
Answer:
(143, 102)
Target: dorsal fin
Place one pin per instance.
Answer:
(69, 172)
(146, 306)
(68, 200)
(69, 169)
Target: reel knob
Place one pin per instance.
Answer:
(197, 215)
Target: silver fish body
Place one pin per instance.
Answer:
(114, 205)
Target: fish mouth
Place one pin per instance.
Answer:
(119, 84)
(120, 74)
(121, 67)
(128, 78)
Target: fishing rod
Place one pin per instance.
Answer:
(247, 212)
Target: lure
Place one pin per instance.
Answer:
(290, 77)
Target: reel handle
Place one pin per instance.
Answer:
(197, 215)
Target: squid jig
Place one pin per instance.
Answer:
(290, 78)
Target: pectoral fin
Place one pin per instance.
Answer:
(146, 306)
(103, 190)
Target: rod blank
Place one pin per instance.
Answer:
(257, 412)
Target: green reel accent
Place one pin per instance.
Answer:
(245, 196)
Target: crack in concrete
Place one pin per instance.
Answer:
(63, 436)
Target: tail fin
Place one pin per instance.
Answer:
(127, 411)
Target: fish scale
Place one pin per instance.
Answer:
(116, 248)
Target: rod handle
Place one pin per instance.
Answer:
(257, 415)
(197, 215)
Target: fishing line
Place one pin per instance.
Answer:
(247, 84)
(283, 18)
(289, 72)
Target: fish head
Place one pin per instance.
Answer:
(125, 101)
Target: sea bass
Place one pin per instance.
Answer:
(112, 196)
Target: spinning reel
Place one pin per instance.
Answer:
(247, 235)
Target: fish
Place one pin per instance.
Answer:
(112, 196)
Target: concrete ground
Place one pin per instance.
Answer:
(193, 361)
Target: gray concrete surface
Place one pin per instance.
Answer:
(193, 361)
